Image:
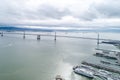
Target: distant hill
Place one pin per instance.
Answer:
(12, 28)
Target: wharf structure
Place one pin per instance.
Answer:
(104, 67)
(105, 59)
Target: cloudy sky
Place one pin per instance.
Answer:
(61, 13)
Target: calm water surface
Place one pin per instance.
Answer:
(30, 59)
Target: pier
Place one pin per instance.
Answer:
(104, 50)
(101, 67)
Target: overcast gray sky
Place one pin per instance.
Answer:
(65, 13)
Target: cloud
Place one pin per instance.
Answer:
(48, 11)
(109, 8)
(65, 13)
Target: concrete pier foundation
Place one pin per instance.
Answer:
(24, 35)
(38, 37)
(55, 36)
(1, 34)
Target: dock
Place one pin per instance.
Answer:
(99, 66)
(105, 56)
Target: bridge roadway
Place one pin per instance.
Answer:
(53, 35)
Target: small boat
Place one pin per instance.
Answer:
(58, 77)
(84, 71)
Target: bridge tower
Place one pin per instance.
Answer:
(1, 34)
(55, 36)
(38, 37)
(24, 35)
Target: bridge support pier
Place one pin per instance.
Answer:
(24, 35)
(1, 34)
(55, 36)
(38, 37)
(98, 40)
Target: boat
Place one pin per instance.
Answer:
(84, 71)
(105, 75)
(58, 77)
